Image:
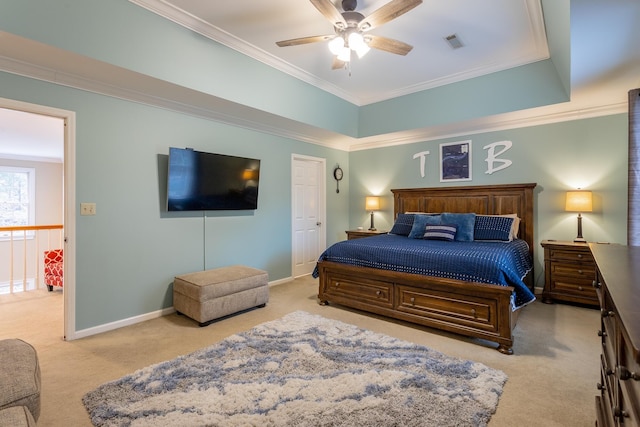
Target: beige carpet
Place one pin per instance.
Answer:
(552, 375)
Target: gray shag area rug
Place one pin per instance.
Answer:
(303, 370)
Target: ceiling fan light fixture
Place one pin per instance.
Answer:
(356, 40)
(358, 44)
(362, 50)
(345, 54)
(336, 45)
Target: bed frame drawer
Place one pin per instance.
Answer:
(357, 289)
(440, 306)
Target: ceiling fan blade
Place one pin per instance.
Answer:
(304, 40)
(388, 45)
(386, 13)
(337, 64)
(329, 10)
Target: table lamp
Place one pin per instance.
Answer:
(579, 201)
(372, 203)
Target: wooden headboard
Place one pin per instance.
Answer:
(482, 199)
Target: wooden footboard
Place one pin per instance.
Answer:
(472, 309)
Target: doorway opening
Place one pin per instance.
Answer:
(43, 138)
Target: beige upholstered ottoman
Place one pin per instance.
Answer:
(212, 294)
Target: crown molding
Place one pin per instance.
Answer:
(521, 119)
(135, 87)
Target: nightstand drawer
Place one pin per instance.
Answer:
(571, 255)
(577, 270)
(574, 287)
(359, 234)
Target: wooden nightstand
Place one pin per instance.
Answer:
(359, 234)
(569, 272)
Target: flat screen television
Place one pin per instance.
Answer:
(198, 181)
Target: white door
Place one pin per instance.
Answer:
(308, 212)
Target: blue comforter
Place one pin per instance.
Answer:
(498, 263)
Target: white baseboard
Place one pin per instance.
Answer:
(141, 318)
(281, 281)
(121, 323)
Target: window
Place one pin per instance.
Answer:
(17, 199)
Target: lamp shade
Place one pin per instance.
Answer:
(372, 203)
(579, 201)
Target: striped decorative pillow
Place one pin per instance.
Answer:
(419, 224)
(440, 232)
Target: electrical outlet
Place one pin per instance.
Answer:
(87, 208)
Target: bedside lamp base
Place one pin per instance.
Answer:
(579, 238)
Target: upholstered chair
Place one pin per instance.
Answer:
(53, 268)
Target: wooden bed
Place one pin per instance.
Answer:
(468, 308)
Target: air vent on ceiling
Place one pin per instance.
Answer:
(454, 41)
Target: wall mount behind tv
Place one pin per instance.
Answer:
(201, 181)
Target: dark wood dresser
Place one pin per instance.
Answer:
(618, 288)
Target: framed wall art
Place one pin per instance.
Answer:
(455, 161)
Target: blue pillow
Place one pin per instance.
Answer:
(440, 232)
(403, 224)
(493, 228)
(465, 222)
(419, 224)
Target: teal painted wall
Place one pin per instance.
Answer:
(128, 254)
(528, 86)
(589, 154)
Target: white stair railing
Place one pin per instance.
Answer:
(31, 242)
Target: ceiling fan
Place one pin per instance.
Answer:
(351, 30)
